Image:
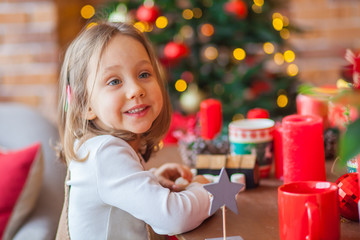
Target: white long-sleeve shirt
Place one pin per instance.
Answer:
(112, 196)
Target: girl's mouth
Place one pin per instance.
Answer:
(138, 111)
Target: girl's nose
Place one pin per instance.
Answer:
(135, 90)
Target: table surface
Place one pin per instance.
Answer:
(258, 212)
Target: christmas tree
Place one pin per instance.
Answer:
(231, 50)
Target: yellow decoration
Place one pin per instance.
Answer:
(279, 58)
(282, 100)
(259, 2)
(289, 56)
(268, 48)
(180, 85)
(87, 11)
(278, 24)
(140, 26)
(188, 14)
(161, 22)
(277, 15)
(292, 70)
(239, 54)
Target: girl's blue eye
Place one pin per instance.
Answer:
(144, 75)
(114, 82)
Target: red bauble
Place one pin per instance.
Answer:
(236, 7)
(147, 14)
(257, 113)
(349, 195)
(174, 51)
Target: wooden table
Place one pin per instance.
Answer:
(258, 212)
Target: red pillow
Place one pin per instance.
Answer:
(15, 167)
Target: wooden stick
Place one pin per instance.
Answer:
(224, 221)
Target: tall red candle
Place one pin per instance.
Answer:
(303, 148)
(278, 152)
(210, 118)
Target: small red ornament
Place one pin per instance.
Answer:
(257, 113)
(175, 51)
(147, 14)
(349, 195)
(236, 7)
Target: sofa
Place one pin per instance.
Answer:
(21, 126)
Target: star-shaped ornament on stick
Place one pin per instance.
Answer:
(224, 194)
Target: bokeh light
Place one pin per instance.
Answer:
(259, 2)
(289, 56)
(211, 53)
(161, 22)
(187, 76)
(197, 13)
(187, 31)
(187, 14)
(239, 54)
(269, 48)
(180, 85)
(207, 30)
(256, 8)
(278, 58)
(238, 116)
(282, 101)
(140, 26)
(87, 11)
(285, 33)
(278, 24)
(292, 70)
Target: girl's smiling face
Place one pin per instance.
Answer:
(124, 93)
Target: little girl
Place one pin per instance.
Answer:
(113, 111)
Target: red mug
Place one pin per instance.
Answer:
(309, 210)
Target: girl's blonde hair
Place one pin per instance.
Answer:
(72, 123)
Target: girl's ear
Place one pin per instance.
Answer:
(90, 115)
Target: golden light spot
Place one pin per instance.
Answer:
(207, 29)
(269, 48)
(285, 21)
(140, 26)
(289, 56)
(282, 100)
(197, 12)
(259, 2)
(211, 53)
(161, 22)
(180, 85)
(87, 11)
(187, 14)
(292, 70)
(238, 116)
(256, 8)
(278, 58)
(239, 54)
(278, 24)
(90, 25)
(285, 33)
(187, 31)
(277, 15)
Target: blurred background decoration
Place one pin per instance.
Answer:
(246, 53)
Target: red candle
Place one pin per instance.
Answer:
(278, 151)
(210, 118)
(303, 148)
(257, 113)
(313, 105)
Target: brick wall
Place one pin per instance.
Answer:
(29, 54)
(34, 34)
(330, 27)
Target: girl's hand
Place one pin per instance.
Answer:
(200, 179)
(169, 172)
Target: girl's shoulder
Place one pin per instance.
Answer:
(99, 142)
